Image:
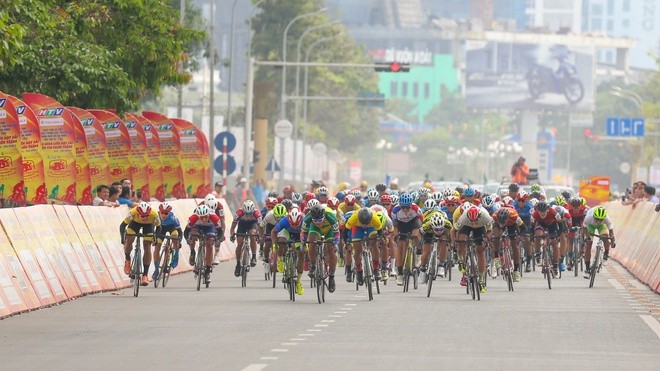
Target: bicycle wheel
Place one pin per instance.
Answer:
(199, 265)
(407, 270)
(318, 277)
(162, 260)
(548, 269)
(509, 269)
(594, 267)
(137, 271)
(245, 263)
(431, 272)
(368, 276)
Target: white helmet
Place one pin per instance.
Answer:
(437, 221)
(373, 195)
(448, 192)
(248, 206)
(437, 196)
(429, 204)
(202, 211)
(209, 197)
(143, 209)
(212, 204)
(311, 203)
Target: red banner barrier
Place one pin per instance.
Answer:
(11, 160)
(15, 287)
(170, 148)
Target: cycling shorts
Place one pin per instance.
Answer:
(203, 229)
(324, 235)
(147, 230)
(245, 225)
(428, 236)
(409, 227)
(164, 230)
(361, 233)
(477, 233)
(552, 229)
(592, 228)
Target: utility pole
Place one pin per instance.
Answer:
(179, 100)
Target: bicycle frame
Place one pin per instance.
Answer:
(136, 265)
(472, 270)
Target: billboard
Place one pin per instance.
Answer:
(529, 76)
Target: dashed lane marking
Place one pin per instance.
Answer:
(256, 367)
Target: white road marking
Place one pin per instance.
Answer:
(320, 325)
(256, 367)
(307, 334)
(328, 321)
(341, 312)
(287, 344)
(279, 350)
(616, 284)
(334, 316)
(298, 339)
(314, 330)
(269, 358)
(352, 304)
(653, 323)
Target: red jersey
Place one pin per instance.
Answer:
(514, 218)
(578, 212)
(195, 220)
(551, 217)
(219, 209)
(241, 215)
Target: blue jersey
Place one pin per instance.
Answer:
(450, 216)
(525, 212)
(171, 220)
(284, 224)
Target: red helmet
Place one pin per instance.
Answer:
(295, 217)
(473, 213)
(385, 198)
(333, 203)
(309, 196)
(507, 201)
(165, 208)
(349, 200)
(286, 189)
(271, 202)
(143, 209)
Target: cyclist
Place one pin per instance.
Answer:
(578, 212)
(267, 224)
(546, 219)
(288, 230)
(597, 220)
(204, 222)
(478, 222)
(321, 223)
(434, 224)
(373, 197)
(508, 218)
(407, 218)
(559, 204)
(470, 195)
(169, 225)
(364, 224)
(524, 207)
(247, 219)
(422, 196)
(322, 194)
(141, 217)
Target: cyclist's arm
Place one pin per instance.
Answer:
(122, 231)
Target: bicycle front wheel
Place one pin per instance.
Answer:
(137, 271)
(199, 265)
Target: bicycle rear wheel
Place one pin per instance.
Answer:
(319, 276)
(509, 269)
(137, 271)
(199, 265)
(548, 269)
(368, 275)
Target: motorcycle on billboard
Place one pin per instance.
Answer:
(565, 81)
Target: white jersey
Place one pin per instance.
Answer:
(484, 220)
(269, 219)
(590, 220)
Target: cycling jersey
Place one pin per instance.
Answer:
(524, 210)
(171, 220)
(212, 221)
(589, 220)
(426, 222)
(284, 224)
(514, 218)
(484, 220)
(242, 215)
(134, 217)
(551, 217)
(353, 221)
(329, 228)
(400, 215)
(345, 208)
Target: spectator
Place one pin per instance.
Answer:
(258, 190)
(124, 197)
(519, 171)
(636, 196)
(117, 185)
(113, 196)
(242, 191)
(101, 199)
(649, 195)
(217, 190)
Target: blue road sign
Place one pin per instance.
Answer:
(218, 164)
(225, 138)
(624, 127)
(272, 165)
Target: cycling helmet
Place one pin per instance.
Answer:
(312, 203)
(452, 201)
(143, 209)
(356, 193)
(381, 217)
(488, 201)
(271, 202)
(405, 199)
(469, 192)
(333, 203)
(294, 217)
(507, 201)
(394, 192)
(381, 187)
(322, 191)
(437, 222)
(248, 206)
(536, 195)
(514, 187)
(447, 192)
(202, 211)
(349, 200)
(473, 213)
(365, 215)
(165, 208)
(542, 206)
(414, 195)
(209, 197)
(309, 196)
(395, 199)
(287, 189)
(560, 200)
(212, 204)
(576, 201)
(503, 215)
(279, 211)
(340, 195)
(385, 199)
(317, 212)
(522, 195)
(504, 192)
(534, 202)
(465, 206)
(296, 197)
(600, 213)
(460, 190)
(584, 201)
(456, 194)
(373, 195)
(437, 196)
(288, 204)
(423, 192)
(536, 187)
(566, 194)
(429, 204)
(273, 194)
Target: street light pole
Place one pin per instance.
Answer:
(231, 65)
(179, 98)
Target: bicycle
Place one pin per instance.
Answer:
(272, 260)
(165, 261)
(433, 264)
(368, 270)
(409, 263)
(597, 264)
(246, 256)
(199, 259)
(472, 272)
(578, 242)
(546, 265)
(290, 274)
(321, 271)
(267, 266)
(507, 260)
(136, 265)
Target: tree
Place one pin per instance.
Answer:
(97, 54)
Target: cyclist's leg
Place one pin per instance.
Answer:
(478, 235)
(331, 256)
(373, 247)
(427, 239)
(146, 244)
(313, 237)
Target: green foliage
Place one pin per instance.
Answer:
(96, 54)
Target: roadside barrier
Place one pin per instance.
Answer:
(637, 233)
(53, 253)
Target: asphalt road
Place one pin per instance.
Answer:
(611, 326)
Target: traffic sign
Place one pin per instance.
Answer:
(227, 139)
(624, 127)
(283, 129)
(219, 164)
(272, 165)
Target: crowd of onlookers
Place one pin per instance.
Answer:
(118, 193)
(641, 192)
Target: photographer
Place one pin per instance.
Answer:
(519, 171)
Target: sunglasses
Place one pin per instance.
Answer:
(405, 207)
(318, 220)
(438, 230)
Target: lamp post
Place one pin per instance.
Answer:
(231, 64)
(637, 101)
(296, 122)
(305, 103)
(286, 31)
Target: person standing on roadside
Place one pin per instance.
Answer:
(519, 171)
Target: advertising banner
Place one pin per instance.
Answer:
(33, 164)
(84, 182)
(11, 161)
(139, 170)
(14, 284)
(595, 189)
(117, 141)
(529, 76)
(192, 151)
(97, 151)
(57, 146)
(170, 147)
(155, 187)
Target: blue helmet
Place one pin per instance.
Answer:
(340, 195)
(469, 192)
(405, 199)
